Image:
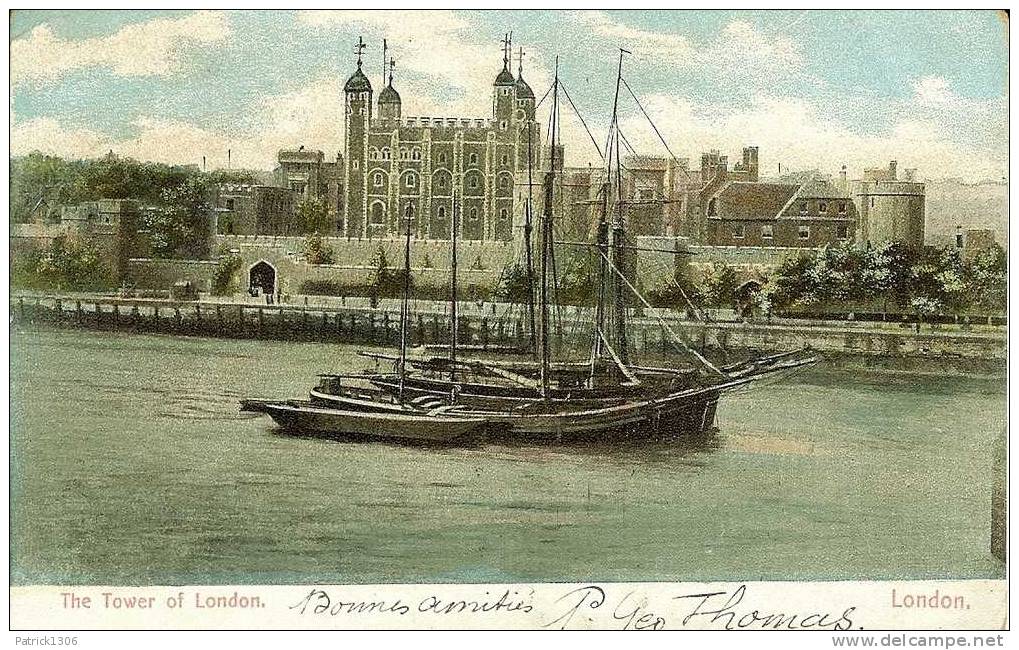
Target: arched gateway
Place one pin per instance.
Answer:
(262, 277)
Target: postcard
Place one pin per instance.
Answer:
(546, 320)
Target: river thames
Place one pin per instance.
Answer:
(132, 465)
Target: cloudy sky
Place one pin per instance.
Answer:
(813, 89)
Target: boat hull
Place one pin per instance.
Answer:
(304, 417)
(672, 417)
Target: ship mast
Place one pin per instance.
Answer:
(547, 239)
(453, 298)
(405, 310)
(529, 226)
(618, 234)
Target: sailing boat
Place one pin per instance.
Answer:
(449, 398)
(352, 409)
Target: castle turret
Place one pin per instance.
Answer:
(389, 99)
(357, 119)
(503, 92)
(524, 94)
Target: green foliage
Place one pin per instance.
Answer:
(719, 285)
(985, 279)
(514, 285)
(312, 216)
(578, 278)
(40, 184)
(385, 282)
(223, 280)
(671, 295)
(315, 252)
(895, 277)
(181, 228)
(63, 267)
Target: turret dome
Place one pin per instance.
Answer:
(505, 78)
(389, 95)
(523, 90)
(358, 83)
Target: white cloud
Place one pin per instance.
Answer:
(740, 51)
(933, 90)
(741, 45)
(802, 136)
(49, 136)
(438, 54)
(312, 116)
(934, 129)
(152, 48)
(674, 48)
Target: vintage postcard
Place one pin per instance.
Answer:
(459, 319)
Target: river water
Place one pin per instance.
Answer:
(132, 465)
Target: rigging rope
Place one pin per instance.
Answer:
(662, 269)
(650, 121)
(581, 118)
(544, 97)
(626, 143)
(661, 320)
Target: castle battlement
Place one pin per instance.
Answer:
(395, 164)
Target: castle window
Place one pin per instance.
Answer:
(473, 215)
(377, 179)
(804, 232)
(361, 111)
(412, 180)
(385, 153)
(441, 212)
(441, 182)
(442, 159)
(504, 182)
(415, 154)
(767, 231)
(872, 201)
(822, 207)
(505, 160)
(842, 231)
(229, 204)
(739, 231)
(842, 207)
(403, 154)
(473, 158)
(473, 183)
(712, 208)
(373, 154)
(504, 91)
(503, 214)
(354, 164)
(502, 125)
(803, 208)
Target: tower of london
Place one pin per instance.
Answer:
(395, 165)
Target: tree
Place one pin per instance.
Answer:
(720, 285)
(315, 252)
(312, 216)
(986, 279)
(63, 266)
(384, 282)
(514, 285)
(182, 228)
(791, 283)
(223, 279)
